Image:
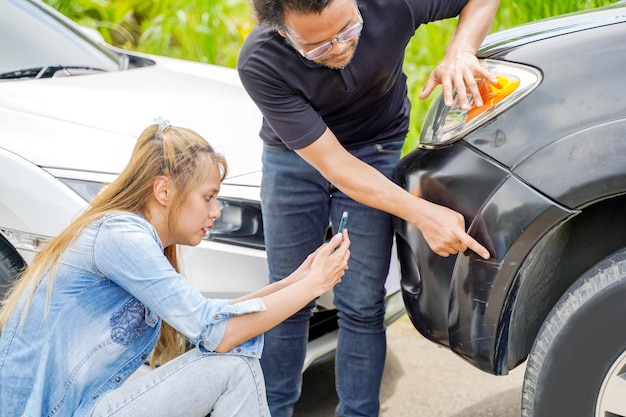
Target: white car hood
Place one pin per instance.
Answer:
(90, 122)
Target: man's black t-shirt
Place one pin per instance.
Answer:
(364, 103)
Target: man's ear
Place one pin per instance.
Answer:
(162, 189)
(282, 33)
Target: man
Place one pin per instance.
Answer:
(327, 76)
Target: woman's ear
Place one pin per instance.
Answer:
(162, 190)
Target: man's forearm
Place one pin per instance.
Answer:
(475, 21)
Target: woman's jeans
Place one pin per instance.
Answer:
(193, 384)
(297, 204)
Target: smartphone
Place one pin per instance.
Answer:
(342, 222)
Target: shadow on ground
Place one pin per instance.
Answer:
(421, 379)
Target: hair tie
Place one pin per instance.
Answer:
(163, 124)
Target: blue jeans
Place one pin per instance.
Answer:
(192, 385)
(297, 204)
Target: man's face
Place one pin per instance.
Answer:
(335, 31)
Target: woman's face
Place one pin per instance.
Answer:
(198, 212)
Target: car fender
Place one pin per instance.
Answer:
(591, 180)
(33, 201)
(514, 219)
(580, 168)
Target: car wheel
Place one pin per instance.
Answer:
(577, 366)
(11, 263)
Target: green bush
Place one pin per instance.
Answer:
(212, 31)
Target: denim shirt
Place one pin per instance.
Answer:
(113, 287)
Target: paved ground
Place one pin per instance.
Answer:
(421, 380)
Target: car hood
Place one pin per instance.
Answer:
(551, 27)
(90, 122)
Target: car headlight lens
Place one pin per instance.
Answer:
(86, 189)
(24, 240)
(444, 125)
(240, 223)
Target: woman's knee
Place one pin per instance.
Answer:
(242, 368)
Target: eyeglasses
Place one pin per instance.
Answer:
(319, 51)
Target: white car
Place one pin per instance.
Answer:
(71, 108)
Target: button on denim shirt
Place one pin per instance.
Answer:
(113, 287)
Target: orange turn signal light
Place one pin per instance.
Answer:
(492, 94)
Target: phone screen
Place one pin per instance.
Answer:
(342, 222)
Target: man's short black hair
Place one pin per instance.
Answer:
(272, 12)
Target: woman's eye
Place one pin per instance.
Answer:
(208, 198)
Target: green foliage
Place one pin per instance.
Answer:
(213, 31)
(209, 31)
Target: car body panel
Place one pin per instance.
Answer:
(430, 275)
(515, 218)
(67, 113)
(27, 191)
(523, 131)
(551, 27)
(456, 301)
(542, 185)
(564, 253)
(589, 164)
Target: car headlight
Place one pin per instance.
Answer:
(86, 189)
(444, 125)
(240, 223)
(24, 240)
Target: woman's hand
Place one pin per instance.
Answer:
(320, 271)
(305, 267)
(326, 266)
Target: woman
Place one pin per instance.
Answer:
(105, 294)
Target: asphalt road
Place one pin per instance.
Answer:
(421, 380)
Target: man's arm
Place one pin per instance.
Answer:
(443, 229)
(459, 67)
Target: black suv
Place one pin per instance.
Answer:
(539, 174)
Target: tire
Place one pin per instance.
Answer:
(579, 356)
(11, 263)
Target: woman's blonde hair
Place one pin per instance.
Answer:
(178, 153)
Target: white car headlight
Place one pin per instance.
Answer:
(25, 241)
(240, 222)
(84, 188)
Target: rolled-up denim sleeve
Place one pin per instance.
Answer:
(128, 252)
(214, 333)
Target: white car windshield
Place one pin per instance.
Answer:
(31, 48)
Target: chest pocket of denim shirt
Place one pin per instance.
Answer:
(130, 322)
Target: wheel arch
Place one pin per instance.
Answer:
(559, 259)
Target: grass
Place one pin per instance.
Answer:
(212, 31)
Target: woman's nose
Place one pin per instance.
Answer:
(215, 212)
